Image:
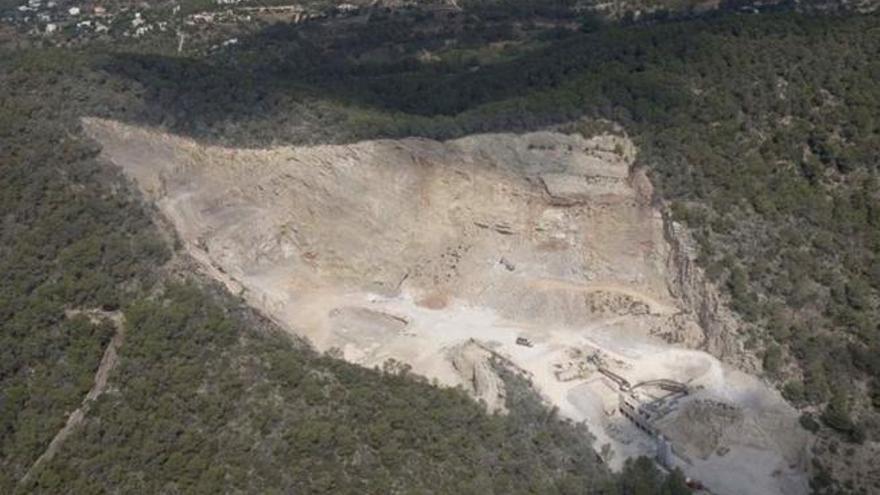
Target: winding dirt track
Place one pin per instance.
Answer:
(102, 375)
(656, 305)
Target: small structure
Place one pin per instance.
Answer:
(664, 452)
(644, 409)
(631, 408)
(523, 342)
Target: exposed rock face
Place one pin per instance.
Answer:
(698, 296)
(465, 220)
(568, 189)
(473, 364)
(535, 250)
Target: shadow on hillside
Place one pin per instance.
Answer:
(339, 82)
(292, 83)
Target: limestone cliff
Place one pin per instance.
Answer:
(699, 296)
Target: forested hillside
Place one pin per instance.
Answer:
(760, 131)
(207, 396)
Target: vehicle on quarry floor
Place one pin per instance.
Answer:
(523, 341)
(694, 484)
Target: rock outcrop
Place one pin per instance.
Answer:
(698, 296)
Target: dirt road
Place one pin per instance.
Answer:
(108, 363)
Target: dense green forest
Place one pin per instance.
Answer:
(760, 132)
